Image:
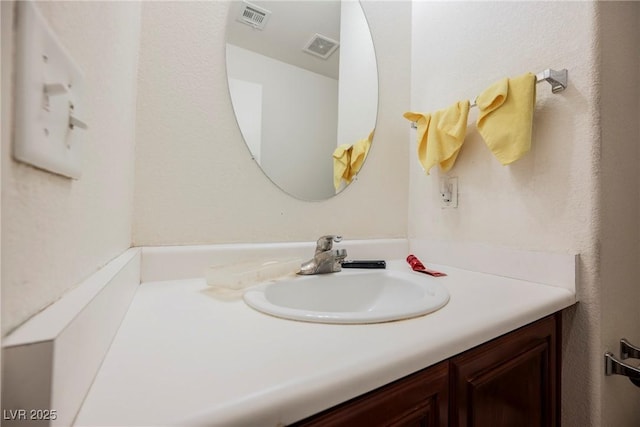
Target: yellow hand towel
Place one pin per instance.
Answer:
(341, 164)
(506, 117)
(440, 135)
(359, 154)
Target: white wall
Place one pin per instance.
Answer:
(358, 93)
(55, 231)
(195, 180)
(564, 195)
(499, 204)
(620, 230)
(290, 131)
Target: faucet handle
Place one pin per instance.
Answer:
(325, 243)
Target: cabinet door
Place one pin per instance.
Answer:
(510, 381)
(419, 400)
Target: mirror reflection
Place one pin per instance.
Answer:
(304, 87)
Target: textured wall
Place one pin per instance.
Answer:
(620, 231)
(549, 199)
(55, 231)
(195, 180)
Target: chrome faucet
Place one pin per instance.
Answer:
(326, 259)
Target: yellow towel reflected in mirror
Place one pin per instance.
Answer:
(341, 164)
(440, 135)
(348, 159)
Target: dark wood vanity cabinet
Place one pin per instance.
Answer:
(419, 400)
(511, 381)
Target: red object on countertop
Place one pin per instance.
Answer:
(416, 265)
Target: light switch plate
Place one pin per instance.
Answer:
(49, 89)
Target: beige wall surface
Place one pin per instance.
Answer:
(195, 180)
(620, 244)
(57, 231)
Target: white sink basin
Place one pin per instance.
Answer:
(351, 296)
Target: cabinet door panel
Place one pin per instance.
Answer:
(511, 381)
(511, 395)
(419, 400)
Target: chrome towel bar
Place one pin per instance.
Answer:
(559, 80)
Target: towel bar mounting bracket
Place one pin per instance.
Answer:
(558, 80)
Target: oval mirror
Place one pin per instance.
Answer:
(303, 82)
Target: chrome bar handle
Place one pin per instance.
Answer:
(613, 366)
(628, 350)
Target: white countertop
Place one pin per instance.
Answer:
(182, 357)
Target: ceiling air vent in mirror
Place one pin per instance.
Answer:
(253, 15)
(321, 46)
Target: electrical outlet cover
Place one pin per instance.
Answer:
(450, 200)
